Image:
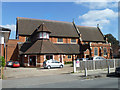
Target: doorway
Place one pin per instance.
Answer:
(32, 61)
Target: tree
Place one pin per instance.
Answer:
(114, 43)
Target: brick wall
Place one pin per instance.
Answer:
(22, 39)
(1, 49)
(65, 40)
(12, 49)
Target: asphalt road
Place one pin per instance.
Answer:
(61, 81)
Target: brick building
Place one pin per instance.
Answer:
(39, 40)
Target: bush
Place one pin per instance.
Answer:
(2, 61)
(69, 62)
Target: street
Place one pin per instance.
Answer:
(60, 81)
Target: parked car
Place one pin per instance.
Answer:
(52, 63)
(82, 59)
(16, 64)
(9, 64)
(96, 58)
(117, 71)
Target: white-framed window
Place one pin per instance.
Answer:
(69, 56)
(26, 38)
(41, 35)
(95, 51)
(60, 40)
(105, 51)
(44, 35)
(73, 40)
(47, 35)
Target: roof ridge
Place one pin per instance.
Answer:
(44, 20)
(86, 26)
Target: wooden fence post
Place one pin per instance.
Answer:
(85, 72)
(114, 64)
(93, 64)
(74, 66)
(108, 69)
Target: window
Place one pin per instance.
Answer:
(41, 35)
(47, 35)
(48, 57)
(27, 38)
(44, 35)
(60, 40)
(73, 40)
(105, 51)
(95, 51)
(69, 56)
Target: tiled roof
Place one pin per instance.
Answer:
(40, 47)
(69, 48)
(91, 33)
(26, 26)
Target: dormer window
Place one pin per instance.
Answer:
(41, 32)
(44, 35)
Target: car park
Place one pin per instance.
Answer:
(16, 64)
(52, 64)
(9, 64)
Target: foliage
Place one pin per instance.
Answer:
(2, 61)
(112, 39)
(114, 43)
(69, 62)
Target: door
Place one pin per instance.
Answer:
(32, 60)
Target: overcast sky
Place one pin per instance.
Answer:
(84, 14)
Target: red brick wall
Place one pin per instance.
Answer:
(1, 49)
(22, 39)
(103, 45)
(12, 49)
(65, 40)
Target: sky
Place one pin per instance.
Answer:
(84, 13)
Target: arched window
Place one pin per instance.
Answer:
(105, 51)
(95, 51)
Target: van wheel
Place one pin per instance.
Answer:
(49, 67)
(61, 66)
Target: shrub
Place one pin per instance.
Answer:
(69, 62)
(2, 61)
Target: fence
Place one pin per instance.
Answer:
(98, 64)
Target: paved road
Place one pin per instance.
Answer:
(60, 81)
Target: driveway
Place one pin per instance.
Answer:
(21, 72)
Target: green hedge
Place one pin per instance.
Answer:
(69, 62)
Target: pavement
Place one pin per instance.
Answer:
(21, 72)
